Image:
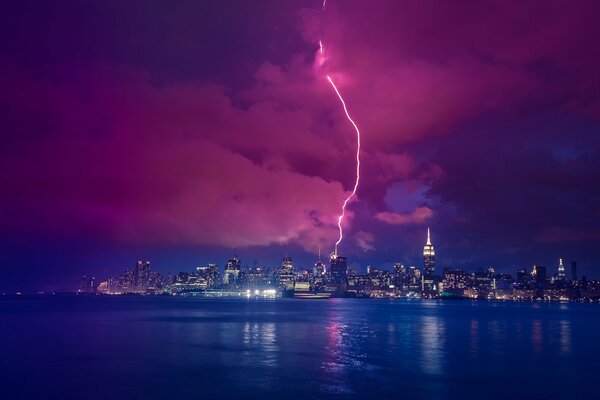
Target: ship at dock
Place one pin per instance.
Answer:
(303, 290)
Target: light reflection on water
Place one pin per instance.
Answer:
(474, 338)
(565, 336)
(299, 349)
(537, 336)
(432, 344)
(260, 345)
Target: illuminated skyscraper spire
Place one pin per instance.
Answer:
(428, 257)
(561, 270)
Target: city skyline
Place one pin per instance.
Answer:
(155, 132)
(426, 259)
(235, 279)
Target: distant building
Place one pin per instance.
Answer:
(522, 276)
(210, 274)
(455, 281)
(141, 276)
(232, 272)
(428, 258)
(338, 270)
(573, 270)
(319, 269)
(87, 285)
(285, 275)
(562, 275)
(539, 274)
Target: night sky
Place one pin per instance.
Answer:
(174, 131)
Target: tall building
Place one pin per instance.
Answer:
(319, 268)
(285, 275)
(522, 276)
(232, 271)
(573, 270)
(412, 281)
(539, 274)
(87, 285)
(210, 274)
(287, 264)
(562, 275)
(338, 270)
(428, 258)
(141, 275)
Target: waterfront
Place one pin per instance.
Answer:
(157, 347)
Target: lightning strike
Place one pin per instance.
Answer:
(341, 216)
(343, 102)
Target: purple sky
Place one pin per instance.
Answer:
(175, 131)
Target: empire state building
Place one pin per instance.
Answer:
(428, 257)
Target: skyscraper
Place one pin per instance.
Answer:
(428, 258)
(574, 270)
(339, 270)
(562, 275)
(539, 274)
(232, 271)
(285, 275)
(319, 268)
(141, 276)
(287, 264)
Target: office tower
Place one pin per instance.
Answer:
(141, 275)
(562, 275)
(232, 271)
(287, 264)
(399, 275)
(285, 275)
(522, 276)
(574, 270)
(319, 269)
(428, 258)
(210, 274)
(539, 274)
(87, 285)
(338, 270)
(126, 280)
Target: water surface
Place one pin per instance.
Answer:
(178, 348)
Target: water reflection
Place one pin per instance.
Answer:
(260, 344)
(537, 335)
(565, 337)
(474, 338)
(346, 351)
(432, 345)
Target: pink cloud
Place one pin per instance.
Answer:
(365, 241)
(419, 215)
(178, 164)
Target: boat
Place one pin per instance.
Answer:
(312, 295)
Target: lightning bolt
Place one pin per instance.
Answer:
(343, 102)
(341, 216)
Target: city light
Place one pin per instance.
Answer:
(339, 280)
